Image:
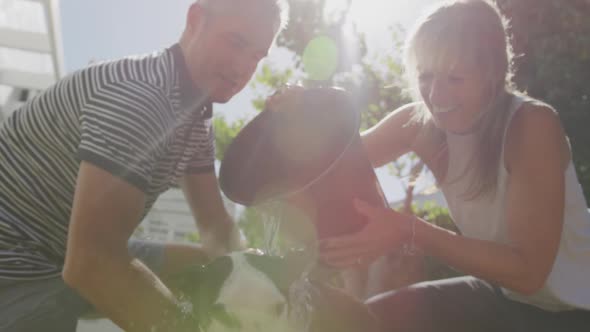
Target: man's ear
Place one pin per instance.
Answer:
(194, 17)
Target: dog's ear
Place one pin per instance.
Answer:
(201, 283)
(187, 278)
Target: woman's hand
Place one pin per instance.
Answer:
(386, 230)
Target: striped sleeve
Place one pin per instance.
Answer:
(123, 130)
(203, 143)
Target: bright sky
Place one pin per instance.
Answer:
(374, 16)
(108, 29)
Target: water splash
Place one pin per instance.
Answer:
(272, 217)
(300, 307)
(300, 303)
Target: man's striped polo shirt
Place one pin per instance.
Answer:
(139, 118)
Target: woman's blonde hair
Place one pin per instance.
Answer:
(471, 32)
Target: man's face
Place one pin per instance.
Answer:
(222, 51)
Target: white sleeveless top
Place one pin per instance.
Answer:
(568, 284)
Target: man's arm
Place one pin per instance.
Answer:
(219, 233)
(105, 212)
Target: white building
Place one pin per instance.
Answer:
(30, 50)
(171, 220)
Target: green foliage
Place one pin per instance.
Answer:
(436, 215)
(310, 19)
(382, 87)
(270, 79)
(552, 41)
(194, 237)
(224, 134)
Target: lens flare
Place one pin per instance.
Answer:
(320, 58)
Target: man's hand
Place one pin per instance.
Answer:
(221, 240)
(219, 233)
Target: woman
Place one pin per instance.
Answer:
(504, 165)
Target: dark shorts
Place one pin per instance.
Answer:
(50, 305)
(467, 304)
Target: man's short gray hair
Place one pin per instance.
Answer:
(279, 8)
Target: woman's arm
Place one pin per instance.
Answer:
(536, 156)
(392, 137)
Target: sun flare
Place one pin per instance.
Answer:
(372, 15)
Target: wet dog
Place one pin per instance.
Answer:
(250, 292)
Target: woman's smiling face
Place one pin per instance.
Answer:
(457, 61)
(455, 95)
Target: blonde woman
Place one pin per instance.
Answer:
(505, 167)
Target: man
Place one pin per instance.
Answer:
(81, 164)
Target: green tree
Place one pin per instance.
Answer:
(224, 134)
(552, 42)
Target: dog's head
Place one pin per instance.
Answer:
(242, 289)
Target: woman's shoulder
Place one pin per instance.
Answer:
(533, 115)
(535, 123)
(530, 104)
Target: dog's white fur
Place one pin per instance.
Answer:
(253, 299)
